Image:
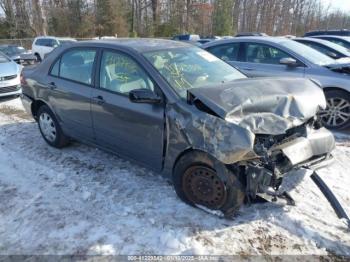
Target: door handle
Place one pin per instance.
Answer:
(248, 68)
(99, 100)
(52, 85)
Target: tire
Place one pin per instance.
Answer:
(209, 175)
(50, 128)
(38, 58)
(337, 113)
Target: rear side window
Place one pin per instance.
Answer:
(227, 52)
(56, 68)
(75, 65)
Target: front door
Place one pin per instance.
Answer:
(134, 130)
(261, 60)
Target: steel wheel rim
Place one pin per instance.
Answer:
(203, 186)
(47, 126)
(337, 112)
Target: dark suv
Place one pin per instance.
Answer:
(342, 32)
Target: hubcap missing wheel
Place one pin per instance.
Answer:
(204, 187)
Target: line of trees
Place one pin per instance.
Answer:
(163, 18)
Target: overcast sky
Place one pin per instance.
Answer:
(343, 5)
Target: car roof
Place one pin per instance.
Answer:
(332, 36)
(53, 37)
(139, 44)
(312, 39)
(259, 39)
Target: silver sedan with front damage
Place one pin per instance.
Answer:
(181, 111)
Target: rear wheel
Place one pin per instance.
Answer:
(337, 113)
(50, 128)
(202, 180)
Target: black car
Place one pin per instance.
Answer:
(18, 54)
(342, 32)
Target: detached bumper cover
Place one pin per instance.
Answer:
(312, 150)
(316, 144)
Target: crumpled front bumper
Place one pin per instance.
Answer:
(310, 150)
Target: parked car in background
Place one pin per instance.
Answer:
(197, 120)
(45, 44)
(10, 73)
(204, 41)
(325, 47)
(18, 54)
(342, 32)
(242, 34)
(273, 56)
(340, 40)
(186, 37)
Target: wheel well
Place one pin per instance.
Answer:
(188, 151)
(335, 89)
(35, 107)
(37, 54)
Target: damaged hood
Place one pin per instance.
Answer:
(263, 105)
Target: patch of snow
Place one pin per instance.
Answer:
(80, 200)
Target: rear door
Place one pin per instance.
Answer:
(262, 60)
(134, 130)
(70, 80)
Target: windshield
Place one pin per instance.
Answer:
(338, 48)
(12, 50)
(3, 58)
(186, 68)
(309, 53)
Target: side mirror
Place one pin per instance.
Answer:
(144, 95)
(288, 61)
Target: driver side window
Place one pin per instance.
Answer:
(264, 54)
(120, 73)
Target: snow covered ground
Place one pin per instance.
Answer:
(81, 200)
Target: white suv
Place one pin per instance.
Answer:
(45, 44)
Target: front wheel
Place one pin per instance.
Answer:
(50, 128)
(198, 183)
(337, 113)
